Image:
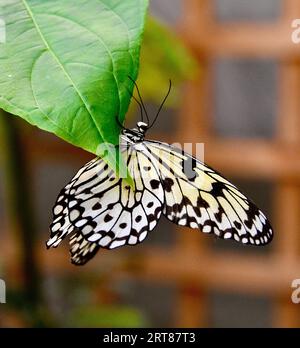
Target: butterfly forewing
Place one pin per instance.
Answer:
(198, 197)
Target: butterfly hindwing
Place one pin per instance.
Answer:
(105, 211)
(81, 250)
(61, 225)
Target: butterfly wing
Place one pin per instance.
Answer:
(104, 210)
(198, 197)
(61, 225)
(81, 250)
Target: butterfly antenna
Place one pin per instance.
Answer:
(162, 104)
(141, 100)
(139, 104)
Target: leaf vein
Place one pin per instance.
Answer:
(35, 99)
(31, 15)
(99, 39)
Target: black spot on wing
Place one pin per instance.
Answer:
(150, 205)
(138, 218)
(217, 189)
(97, 206)
(237, 225)
(107, 218)
(167, 184)
(154, 184)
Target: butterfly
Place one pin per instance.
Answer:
(98, 209)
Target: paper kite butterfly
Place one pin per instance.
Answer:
(100, 210)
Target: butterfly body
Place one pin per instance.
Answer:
(100, 210)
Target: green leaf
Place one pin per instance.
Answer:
(64, 66)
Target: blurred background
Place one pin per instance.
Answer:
(236, 76)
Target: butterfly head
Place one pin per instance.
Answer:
(142, 127)
(135, 134)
